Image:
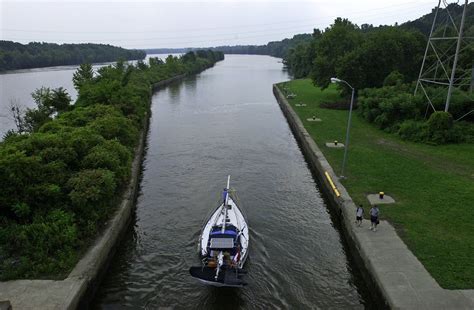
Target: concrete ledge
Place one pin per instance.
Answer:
(400, 278)
(334, 145)
(163, 83)
(374, 199)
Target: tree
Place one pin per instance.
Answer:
(48, 102)
(338, 40)
(383, 50)
(84, 74)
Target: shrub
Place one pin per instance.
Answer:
(395, 109)
(91, 187)
(110, 155)
(439, 127)
(393, 79)
(116, 127)
(412, 130)
(439, 121)
(46, 245)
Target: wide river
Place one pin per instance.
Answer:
(222, 121)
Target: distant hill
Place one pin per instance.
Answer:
(423, 24)
(275, 48)
(15, 55)
(170, 50)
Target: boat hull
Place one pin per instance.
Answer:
(227, 278)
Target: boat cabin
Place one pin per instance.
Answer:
(227, 241)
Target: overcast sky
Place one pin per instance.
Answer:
(159, 24)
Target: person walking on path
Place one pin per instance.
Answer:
(374, 218)
(359, 214)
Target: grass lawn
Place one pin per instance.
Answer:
(433, 185)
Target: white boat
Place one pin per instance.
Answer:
(223, 245)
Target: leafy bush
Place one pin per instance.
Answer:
(60, 179)
(412, 130)
(395, 109)
(47, 245)
(393, 79)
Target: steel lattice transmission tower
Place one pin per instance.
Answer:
(440, 64)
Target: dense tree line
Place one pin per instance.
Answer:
(15, 55)
(423, 24)
(382, 64)
(366, 55)
(63, 169)
(274, 48)
(363, 57)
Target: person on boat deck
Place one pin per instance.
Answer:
(224, 195)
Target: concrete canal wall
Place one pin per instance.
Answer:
(79, 287)
(385, 260)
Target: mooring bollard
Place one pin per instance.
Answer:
(381, 194)
(335, 142)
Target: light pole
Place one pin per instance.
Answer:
(346, 146)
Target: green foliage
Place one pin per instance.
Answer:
(412, 130)
(337, 40)
(45, 246)
(439, 121)
(61, 179)
(274, 48)
(382, 51)
(395, 109)
(35, 55)
(116, 127)
(21, 210)
(90, 188)
(48, 102)
(110, 155)
(395, 78)
(440, 128)
(365, 56)
(83, 75)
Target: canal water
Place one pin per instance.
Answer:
(226, 121)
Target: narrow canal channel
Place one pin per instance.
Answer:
(226, 121)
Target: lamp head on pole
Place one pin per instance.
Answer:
(335, 80)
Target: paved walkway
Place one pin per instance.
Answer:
(404, 280)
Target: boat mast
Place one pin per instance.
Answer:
(225, 205)
(220, 258)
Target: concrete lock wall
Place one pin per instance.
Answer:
(77, 290)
